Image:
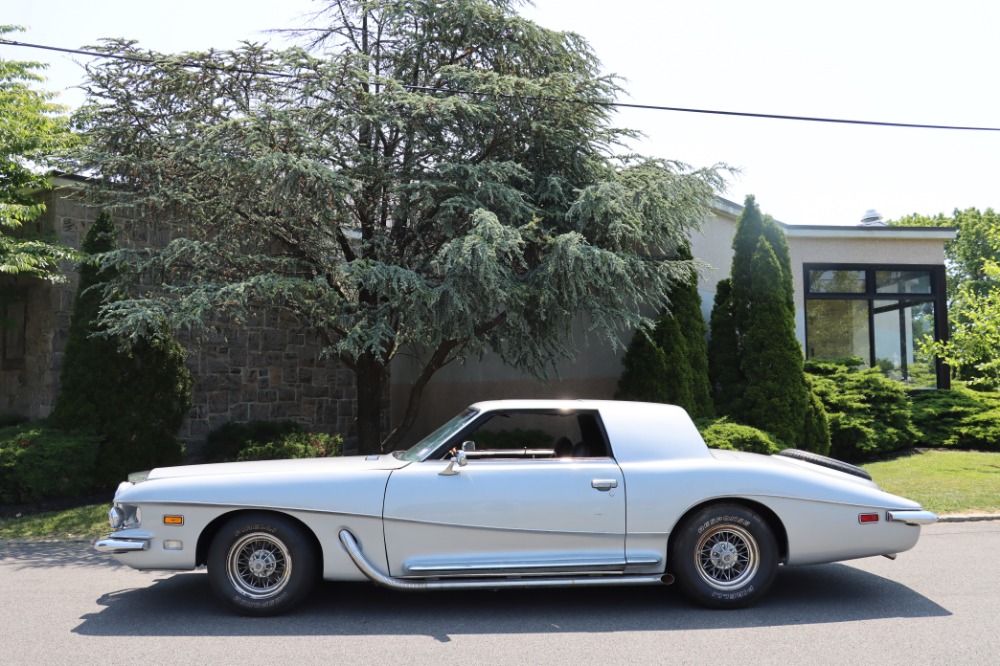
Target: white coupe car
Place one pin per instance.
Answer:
(513, 493)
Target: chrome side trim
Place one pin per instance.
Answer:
(376, 576)
(112, 545)
(444, 568)
(911, 517)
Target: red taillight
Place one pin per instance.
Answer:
(868, 518)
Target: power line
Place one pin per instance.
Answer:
(450, 91)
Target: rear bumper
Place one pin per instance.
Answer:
(911, 517)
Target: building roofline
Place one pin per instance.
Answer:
(734, 210)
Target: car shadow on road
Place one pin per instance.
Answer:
(182, 605)
(48, 554)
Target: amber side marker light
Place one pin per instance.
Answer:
(173, 520)
(868, 518)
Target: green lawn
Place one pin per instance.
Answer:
(943, 481)
(83, 522)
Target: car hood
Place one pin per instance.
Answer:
(337, 464)
(352, 484)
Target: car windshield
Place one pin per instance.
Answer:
(428, 444)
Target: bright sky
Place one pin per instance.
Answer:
(915, 61)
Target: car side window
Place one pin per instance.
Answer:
(537, 434)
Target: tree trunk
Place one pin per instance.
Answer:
(371, 382)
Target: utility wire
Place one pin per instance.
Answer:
(451, 91)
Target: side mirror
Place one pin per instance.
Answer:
(468, 446)
(458, 457)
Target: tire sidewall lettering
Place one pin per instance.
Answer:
(730, 519)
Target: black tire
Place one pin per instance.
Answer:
(724, 556)
(824, 461)
(262, 564)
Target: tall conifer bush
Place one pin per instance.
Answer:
(670, 364)
(134, 395)
(776, 397)
(725, 375)
(755, 359)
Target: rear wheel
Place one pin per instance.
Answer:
(724, 556)
(261, 564)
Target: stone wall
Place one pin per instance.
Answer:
(266, 369)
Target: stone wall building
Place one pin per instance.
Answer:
(264, 369)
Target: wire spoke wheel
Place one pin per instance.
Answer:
(726, 557)
(259, 565)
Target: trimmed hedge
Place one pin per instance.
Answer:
(38, 462)
(295, 445)
(723, 434)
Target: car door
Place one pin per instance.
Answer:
(506, 516)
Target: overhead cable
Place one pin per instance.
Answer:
(602, 103)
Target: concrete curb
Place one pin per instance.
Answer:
(967, 517)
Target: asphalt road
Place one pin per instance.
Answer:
(937, 604)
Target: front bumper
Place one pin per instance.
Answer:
(113, 545)
(911, 517)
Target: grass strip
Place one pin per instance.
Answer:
(943, 481)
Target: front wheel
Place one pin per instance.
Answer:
(724, 556)
(261, 564)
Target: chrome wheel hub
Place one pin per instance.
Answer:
(724, 555)
(262, 563)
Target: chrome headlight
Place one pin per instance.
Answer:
(124, 516)
(116, 517)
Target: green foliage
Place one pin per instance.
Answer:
(974, 347)
(670, 364)
(973, 264)
(227, 442)
(959, 418)
(646, 375)
(833, 366)
(379, 214)
(32, 130)
(776, 395)
(938, 413)
(38, 462)
(294, 445)
(723, 434)
(869, 414)
(816, 426)
(754, 357)
(979, 431)
(728, 383)
(134, 395)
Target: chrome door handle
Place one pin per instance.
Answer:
(604, 484)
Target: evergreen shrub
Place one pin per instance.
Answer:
(980, 431)
(294, 445)
(227, 442)
(723, 434)
(38, 462)
(133, 395)
(939, 413)
(869, 414)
